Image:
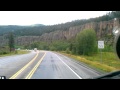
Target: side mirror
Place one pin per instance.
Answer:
(116, 33)
(117, 44)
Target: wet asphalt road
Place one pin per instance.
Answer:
(9, 65)
(57, 66)
(51, 66)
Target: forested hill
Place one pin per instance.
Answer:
(25, 35)
(38, 30)
(4, 29)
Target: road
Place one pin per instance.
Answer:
(44, 65)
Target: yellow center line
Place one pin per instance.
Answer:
(35, 67)
(16, 74)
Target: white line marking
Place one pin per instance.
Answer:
(69, 67)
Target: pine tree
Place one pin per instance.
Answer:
(11, 41)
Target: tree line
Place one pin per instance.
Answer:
(37, 31)
(85, 43)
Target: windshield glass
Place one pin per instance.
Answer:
(59, 44)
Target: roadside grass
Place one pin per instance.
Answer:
(108, 63)
(18, 52)
(23, 52)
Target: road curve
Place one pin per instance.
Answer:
(44, 65)
(57, 66)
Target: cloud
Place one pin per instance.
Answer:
(45, 17)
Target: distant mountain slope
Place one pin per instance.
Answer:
(103, 27)
(14, 28)
(8, 28)
(39, 29)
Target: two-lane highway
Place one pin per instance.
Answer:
(44, 65)
(56, 66)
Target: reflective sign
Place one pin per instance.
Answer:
(101, 44)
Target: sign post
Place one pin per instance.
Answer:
(101, 46)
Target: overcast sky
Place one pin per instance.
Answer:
(45, 17)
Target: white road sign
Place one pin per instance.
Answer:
(101, 44)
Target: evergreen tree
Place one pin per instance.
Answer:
(11, 41)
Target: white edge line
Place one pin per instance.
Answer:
(69, 67)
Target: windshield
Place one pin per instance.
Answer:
(59, 44)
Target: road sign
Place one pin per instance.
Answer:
(101, 44)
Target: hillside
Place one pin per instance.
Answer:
(4, 29)
(39, 29)
(103, 27)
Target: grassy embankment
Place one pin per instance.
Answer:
(108, 63)
(18, 52)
